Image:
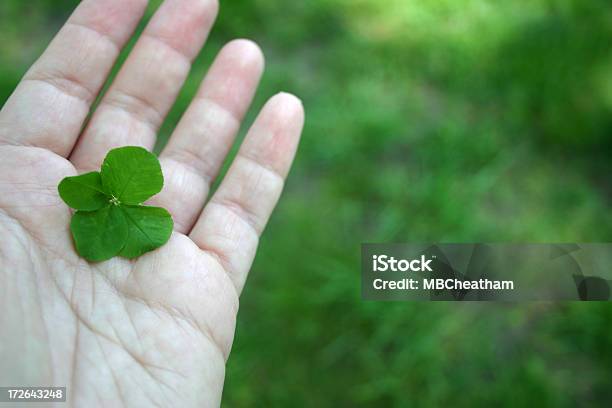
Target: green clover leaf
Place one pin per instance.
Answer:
(110, 219)
(148, 228)
(99, 235)
(131, 174)
(84, 192)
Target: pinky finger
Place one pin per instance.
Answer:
(231, 223)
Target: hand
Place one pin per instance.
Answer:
(156, 330)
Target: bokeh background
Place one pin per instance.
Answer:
(438, 120)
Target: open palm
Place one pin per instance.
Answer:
(156, 330)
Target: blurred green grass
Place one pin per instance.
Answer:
(443, 120)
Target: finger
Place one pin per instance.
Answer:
(52, 101)
(234, 218)
(205, 133)
(147, 85)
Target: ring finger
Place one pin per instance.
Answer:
(205, 133)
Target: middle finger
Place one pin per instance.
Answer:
(148, 83)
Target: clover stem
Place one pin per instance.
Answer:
(114, 200)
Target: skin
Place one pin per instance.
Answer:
(156, 330)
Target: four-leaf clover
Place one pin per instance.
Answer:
(110, 219)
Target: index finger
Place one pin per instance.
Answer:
(49, 106)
